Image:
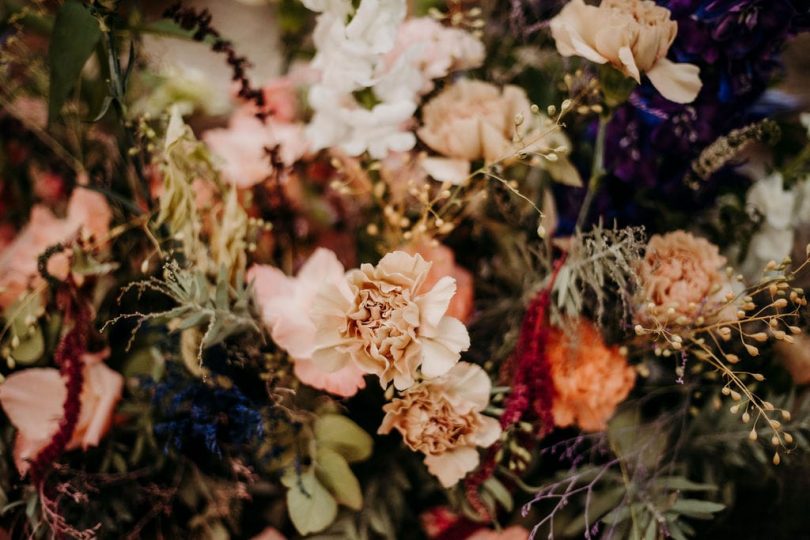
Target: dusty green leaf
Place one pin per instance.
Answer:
(311, 507)
(499, 493)
(343, 436)
(75, 34)
(27, 343)
(334, 472)
(697, 508)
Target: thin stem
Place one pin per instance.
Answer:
(597, 171)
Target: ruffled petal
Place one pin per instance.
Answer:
(452, 466)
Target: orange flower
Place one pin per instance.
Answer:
(590, 378)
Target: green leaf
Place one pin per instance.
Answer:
(600, 504)
(75, 34)
(674, 528)
(652, 530)
(616, 86)
(499, 493)
(333, 471)
(696, 508)
(683, 484)
(311, 507)
(27, 343)
(343, 436)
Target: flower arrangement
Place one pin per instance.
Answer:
(450, 269)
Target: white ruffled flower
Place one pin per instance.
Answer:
(781, 210)
(350, 59)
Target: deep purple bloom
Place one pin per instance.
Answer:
(651, 141)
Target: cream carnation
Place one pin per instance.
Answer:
(442, 419)
(634, 36)
(472, 120)
(378, 319)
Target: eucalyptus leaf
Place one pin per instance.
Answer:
(343, 436)
(334, 472)
(75, 34)
(500, 493)
(311, 507)
(697, 508)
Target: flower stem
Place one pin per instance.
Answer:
(597, 171)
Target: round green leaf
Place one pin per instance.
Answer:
(343, 436)
(311, 507)
(333, 470)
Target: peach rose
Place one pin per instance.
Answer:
(442, 418)
(33, 400)
(634, 36)
(682, 276)
(471, 120)
(285, 304)
(378, 319)
(87, 214)
(590, 379)
(444, 264)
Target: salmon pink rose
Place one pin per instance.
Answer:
(285, 304)
(33, 400)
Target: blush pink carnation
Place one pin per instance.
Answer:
(33, 399)
(442, 418)
(286, 303)
(590, 378)
(88, 214)
(682, 276)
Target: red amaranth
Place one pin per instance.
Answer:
(532, 390)
(68, 356)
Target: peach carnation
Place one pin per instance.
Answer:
(633, 36)
(471, 120)
(590, 378)
(285, 304)
(682, 276)
(33, 399)
(378, 319)
(442, 418)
